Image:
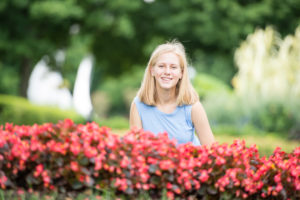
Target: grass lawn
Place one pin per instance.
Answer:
(266, 143)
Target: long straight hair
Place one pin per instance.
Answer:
(185, 93)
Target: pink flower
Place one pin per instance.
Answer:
(170, 195)
(187, 185)
(279, 187)
(74, 166)
(90, 152)
(75, 148)
(38, 170)
(220, 160)
(3, 180)
(125, 162)
(166, 164)
(204, 176)
(144, 177)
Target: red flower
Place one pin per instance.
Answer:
(166, 164)
(204, 176)
(3, 180)
(74, 166)
(38, 170)
(75, 148)
(125, 162)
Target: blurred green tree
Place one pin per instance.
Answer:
(122, 33)
(31, 30)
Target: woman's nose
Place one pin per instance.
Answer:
(167, 70)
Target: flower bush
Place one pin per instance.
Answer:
(67, 157)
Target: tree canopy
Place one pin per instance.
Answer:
(122, 33)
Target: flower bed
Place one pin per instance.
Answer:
(69, 157)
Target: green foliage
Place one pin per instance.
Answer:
(219, 100)
(73, 56)
(206, 84)
(274, 117)
(121, 91)
(56, 10)
(231, 130)
(25, 37)
(116, 122)
(122, 33)
(215, 64)
(9, 80)
(105, 194)
(18, 110)
(226, 109)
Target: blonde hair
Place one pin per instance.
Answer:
(185, 92)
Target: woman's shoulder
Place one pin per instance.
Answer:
(140, 104)
(136, 100)
(197, 106)
(194, 105)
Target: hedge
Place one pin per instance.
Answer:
(66, 157)
(20, 111)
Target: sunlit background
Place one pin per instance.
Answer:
(85, 60)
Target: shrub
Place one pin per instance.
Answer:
(206, 84)
(66, 156)
(273, 117)
(226, 109)
(268, 79)
(121, 91)
(18, 110)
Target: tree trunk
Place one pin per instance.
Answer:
(24, 75)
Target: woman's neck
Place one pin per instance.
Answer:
(166, 96)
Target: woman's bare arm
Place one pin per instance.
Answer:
(201, 124)
(134, 117)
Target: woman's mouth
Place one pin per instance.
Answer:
(166, 79)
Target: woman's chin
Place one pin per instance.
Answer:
(167, 87)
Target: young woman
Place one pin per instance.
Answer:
(167, 102)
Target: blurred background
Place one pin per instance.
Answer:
(85, 60)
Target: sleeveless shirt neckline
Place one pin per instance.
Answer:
(168, 114)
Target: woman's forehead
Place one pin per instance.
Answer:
(168, 58)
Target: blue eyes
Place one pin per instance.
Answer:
(172, 67)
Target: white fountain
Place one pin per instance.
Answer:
(81, 94)
(46, 87)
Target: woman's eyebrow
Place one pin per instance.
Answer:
(167, 63)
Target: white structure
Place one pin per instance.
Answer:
(45, 87)
(81, 94)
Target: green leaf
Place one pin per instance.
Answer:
(56, 10)
(212, 190)
(77, 185)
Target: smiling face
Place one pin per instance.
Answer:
(167, 71)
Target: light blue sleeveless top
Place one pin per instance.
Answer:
(177, 124)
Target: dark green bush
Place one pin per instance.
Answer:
(274, 117)
(18, 110)
(121, 91)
